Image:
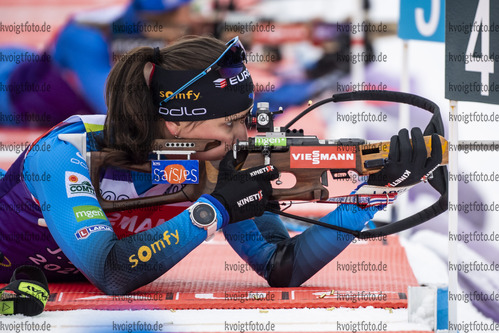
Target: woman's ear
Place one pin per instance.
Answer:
(173, 127)
(147, 72)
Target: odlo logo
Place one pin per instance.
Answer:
(183, 111)
(87, 212)
(77, 185)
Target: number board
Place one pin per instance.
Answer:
(472, 50)
(422, 20)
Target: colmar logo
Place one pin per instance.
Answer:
(257, 196)
(321, 157)
(183, 111)
(222, 83)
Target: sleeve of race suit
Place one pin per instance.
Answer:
(85, 235)
(266, 246)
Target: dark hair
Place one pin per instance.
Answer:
(132, 122)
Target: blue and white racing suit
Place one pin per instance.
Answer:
(51, 218)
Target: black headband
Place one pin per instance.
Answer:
(213, 96)
(157, 56)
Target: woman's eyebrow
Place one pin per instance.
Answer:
(243, 116)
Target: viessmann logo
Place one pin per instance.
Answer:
(77, 185)
(222, 83)
(321, 157)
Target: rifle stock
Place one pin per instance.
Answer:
(309, 181)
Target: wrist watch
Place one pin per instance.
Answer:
(204, 216)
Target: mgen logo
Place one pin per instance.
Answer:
(321, 157)
(87, 212)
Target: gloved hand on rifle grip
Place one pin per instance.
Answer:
(244, 194)
(407, 164)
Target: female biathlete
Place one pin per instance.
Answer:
(57, 224)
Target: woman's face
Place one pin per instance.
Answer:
(226, 130)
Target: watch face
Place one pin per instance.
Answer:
(203, 214)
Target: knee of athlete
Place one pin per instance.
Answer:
(118, 277)
(281, 264)
(114, 289)
(351, 216)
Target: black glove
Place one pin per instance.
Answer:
(244, 194)
(407, 164)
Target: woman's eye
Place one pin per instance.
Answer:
(229, 123)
